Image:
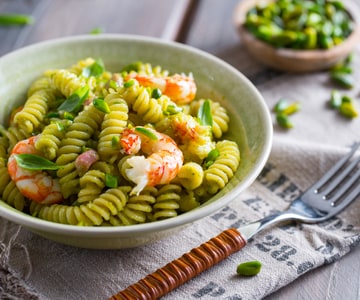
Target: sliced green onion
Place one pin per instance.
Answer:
(211, 157)
(15, 19)
(111, 181)
(101, 105)
(172, 110)
(95, 69)
(115, 141)
(113, 84)
(156, 93)
(204, 114)
(129, 83)
(52, 115)
(68, 116)
(75, 101)
(147, 132)
(35, 162)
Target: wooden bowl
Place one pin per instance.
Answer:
(290, 60)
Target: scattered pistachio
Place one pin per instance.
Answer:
(348, 109)
(335, 100)
(283, 110)
(15, 19)
(345, 105)
(249, 268)
(284, 121)
(344, 79)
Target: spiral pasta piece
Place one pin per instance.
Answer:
(49, 140)
(40, 84)
(14, 135)
(12, 196)
(31, 117)
(112, 126)
(91, 185)
(92, 213)
(78, 133)
(167, 202)
(219, 114)
(80, 65)
(66, 82)
(190, 175)
(137, 208)
(4, 176)
(223, 168)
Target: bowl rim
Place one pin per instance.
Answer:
(11, 214)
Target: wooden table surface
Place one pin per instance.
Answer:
(204, 24)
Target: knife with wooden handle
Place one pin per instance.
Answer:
(186, 267)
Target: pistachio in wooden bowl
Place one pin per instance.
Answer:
(297, 36)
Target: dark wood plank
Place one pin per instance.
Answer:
(54, 18)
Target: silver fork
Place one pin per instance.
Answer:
(327, 197)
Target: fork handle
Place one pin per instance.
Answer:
(186, 267)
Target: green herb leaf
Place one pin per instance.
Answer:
(35, 162)
(95, 69)
(75, 101)
(204, 114)
(111, 181)
(147, 132)
(15, 19)
(249, 268)
(101, 105)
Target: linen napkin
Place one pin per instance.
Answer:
(35, 268)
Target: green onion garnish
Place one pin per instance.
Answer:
(101, 105)
(111, 181)
(147, 132)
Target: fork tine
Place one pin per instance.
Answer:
(340, 177)
(348, 198)
(349, 185)
(328, 175)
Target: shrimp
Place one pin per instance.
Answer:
(162, 164)
(179, 88)
(35, 185)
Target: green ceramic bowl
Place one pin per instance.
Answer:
(250, 125)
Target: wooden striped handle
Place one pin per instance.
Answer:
(180, 270)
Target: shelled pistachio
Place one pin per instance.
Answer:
(299, 24)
